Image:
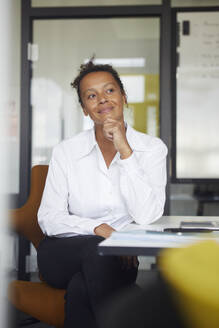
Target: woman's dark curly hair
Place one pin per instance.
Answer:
(90, 67)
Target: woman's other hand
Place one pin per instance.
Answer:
(103, 230)
(128, 262)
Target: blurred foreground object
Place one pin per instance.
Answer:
(6, 76)
(150, 305)
(193, 275)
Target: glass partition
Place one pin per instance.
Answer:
(130, 44)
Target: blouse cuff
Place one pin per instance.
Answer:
(91, 226)
(130, 165)
(84, 226)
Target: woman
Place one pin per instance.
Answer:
(98, 181)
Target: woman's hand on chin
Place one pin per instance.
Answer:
(103, 230)
(115, 131)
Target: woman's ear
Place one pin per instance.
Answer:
(125, 100)
(85, 112)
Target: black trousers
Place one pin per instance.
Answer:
(90, 279)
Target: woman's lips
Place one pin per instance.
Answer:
(105, 110)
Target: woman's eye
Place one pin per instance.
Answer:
(110, 90)
(91, 96)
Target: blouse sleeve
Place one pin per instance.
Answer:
(142, 183)
(53, 215)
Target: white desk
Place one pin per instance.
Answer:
(139, 247)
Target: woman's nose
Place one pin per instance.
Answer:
(102, 98)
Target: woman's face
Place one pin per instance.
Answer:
(101, 97)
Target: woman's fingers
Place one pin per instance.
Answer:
(108, 131)
(103, 230)
(111, 126)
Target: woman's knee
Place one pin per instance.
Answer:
(50, 266)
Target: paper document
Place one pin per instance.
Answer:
(162, 239)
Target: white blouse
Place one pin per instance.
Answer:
(82, 193)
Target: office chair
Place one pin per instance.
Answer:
(36, 299)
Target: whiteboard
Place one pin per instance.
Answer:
(197, 97)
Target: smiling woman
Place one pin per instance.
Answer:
(101, 95)
(98, 181)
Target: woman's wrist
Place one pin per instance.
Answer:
(126, 152)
